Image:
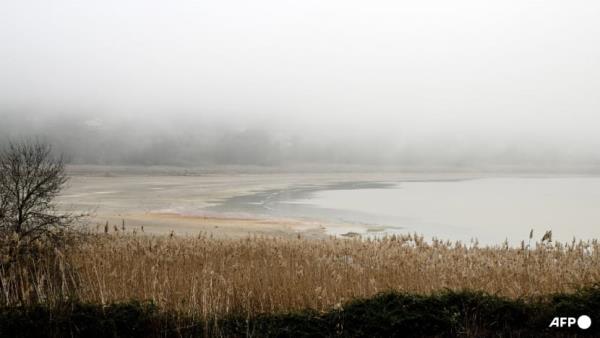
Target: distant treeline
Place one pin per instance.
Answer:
(193, 141)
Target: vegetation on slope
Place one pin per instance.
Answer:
(448, 313)
(125, 285)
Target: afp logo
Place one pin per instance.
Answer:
(584, 322)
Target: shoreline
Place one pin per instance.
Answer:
(185, 204)
(235, 206)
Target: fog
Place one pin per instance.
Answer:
(466, 84)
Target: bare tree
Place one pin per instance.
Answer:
(31, 176)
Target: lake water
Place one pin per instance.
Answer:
(489, 209)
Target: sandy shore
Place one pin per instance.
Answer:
(168, 201)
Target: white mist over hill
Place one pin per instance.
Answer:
(461, 83)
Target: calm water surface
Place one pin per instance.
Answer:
(489, 209)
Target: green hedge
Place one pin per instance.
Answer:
(446, 314)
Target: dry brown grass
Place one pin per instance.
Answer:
(204, 277)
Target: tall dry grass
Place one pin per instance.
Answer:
(205, 278)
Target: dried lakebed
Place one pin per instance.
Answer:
(491, 209)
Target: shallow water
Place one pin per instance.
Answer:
(489, 209)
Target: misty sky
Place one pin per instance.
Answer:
(402, 72)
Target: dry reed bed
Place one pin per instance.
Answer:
(205, 278)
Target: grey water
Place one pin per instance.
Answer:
(490, 210)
